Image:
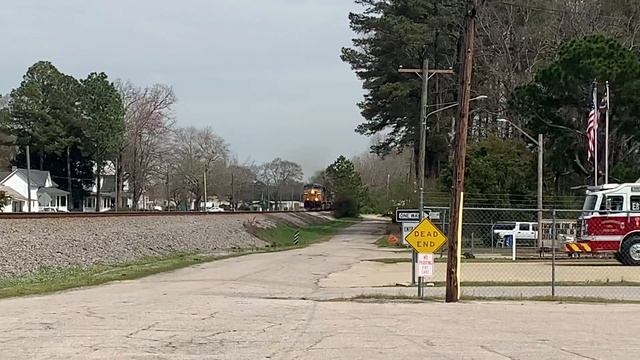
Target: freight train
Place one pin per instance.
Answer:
(317, 197)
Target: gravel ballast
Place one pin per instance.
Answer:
(27, 245)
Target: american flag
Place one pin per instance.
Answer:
(592, 131)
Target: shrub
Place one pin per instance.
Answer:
(345, 207)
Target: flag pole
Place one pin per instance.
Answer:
(606, 139)
(596, 110)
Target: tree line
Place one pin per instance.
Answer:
(535, 60)
(80, 129)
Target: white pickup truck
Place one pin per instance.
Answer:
(525, 233)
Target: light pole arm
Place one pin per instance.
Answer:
(522, 131)
(441, 109)
(452, 105)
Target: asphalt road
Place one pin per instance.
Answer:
(275, 306)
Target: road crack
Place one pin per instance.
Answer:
(496, 352)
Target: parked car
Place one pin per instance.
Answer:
(51, 209)
(215, 209)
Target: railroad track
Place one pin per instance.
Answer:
(48, 215)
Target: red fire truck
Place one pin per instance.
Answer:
(610, 223)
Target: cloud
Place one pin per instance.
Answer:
(266, 75)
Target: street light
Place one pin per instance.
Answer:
(540, 145)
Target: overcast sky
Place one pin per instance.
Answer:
(265, 74)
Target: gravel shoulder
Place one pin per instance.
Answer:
(28, 245)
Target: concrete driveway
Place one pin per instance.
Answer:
(273, 306)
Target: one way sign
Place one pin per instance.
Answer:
(413, 215)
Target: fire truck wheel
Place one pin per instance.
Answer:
(630, 251)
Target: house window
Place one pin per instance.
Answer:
(63, 201)
(91, 202)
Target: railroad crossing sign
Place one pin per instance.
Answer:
(426, 237)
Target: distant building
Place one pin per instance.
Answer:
(107, 194)
(45, 194)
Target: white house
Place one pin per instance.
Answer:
(108, 192)
(14, 202)
(107, 195)
(44, 192)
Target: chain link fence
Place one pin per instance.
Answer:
(504, 257)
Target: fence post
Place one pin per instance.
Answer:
(472, 241)
(443, 228)
(554, 236)
(492, 229)
(513, 247)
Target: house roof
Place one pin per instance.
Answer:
(51, 191)
(38, 177)
(12, 193)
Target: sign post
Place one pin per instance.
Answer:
(425, 239)
(406, 217)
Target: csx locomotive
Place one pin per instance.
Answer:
(316, 197)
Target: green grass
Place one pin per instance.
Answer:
(49, 280)
(558, 299)
(282, 235)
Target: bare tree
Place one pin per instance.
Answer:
(380, 172)
(196, 152)
(149, 119)
(279, 172)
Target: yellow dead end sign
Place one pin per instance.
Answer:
(426, 237)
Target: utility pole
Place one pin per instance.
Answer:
(70, 199)
(28, 180)
(457, 193)
(606, 138)
(423, 132)
(205, 189)
(596, 110)
(425, 73)
(233, 197)
(116, 183)
(540, 181)
(422, 156)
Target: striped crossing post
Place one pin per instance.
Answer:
(296, 238)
